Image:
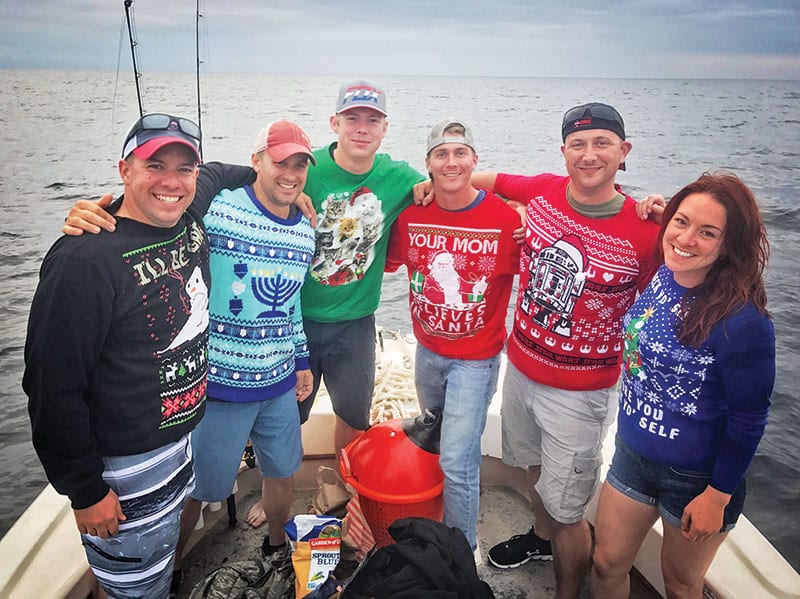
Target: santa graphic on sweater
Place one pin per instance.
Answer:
(445, 287)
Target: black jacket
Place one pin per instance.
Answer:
(428, 560)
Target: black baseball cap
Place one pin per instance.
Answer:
(594, 115)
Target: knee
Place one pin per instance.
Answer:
(608, 565)
(678, 586)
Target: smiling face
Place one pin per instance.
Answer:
(451, 165)
(279, 183)
(692, 239)
(158, 190)
(361, 131)
(593, 157)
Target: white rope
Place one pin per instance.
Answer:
(395, 395)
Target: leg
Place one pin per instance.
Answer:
(620, 527)
(684, 563)
(276, 497)
(137, 562)
(522, 447)
(277, 445)
(542, 523)
(572, 548)
(217, 444)
(348, 369)
(343, 433)
(573, 424)
(189, 517)
(468, 388)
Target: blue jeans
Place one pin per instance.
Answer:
(463, 390)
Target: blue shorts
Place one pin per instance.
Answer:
(151, 486)
(343, 354)
(218, 441)
(667, 487)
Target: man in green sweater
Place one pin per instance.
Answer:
(357, 194)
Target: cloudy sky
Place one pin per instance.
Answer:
(572, 38)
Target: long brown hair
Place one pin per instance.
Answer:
(737, 276)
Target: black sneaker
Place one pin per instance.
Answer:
(175, 583)
(519, 550)
(268, 550)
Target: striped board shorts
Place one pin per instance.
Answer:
(152, 487)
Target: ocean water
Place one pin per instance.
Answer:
(61, 133)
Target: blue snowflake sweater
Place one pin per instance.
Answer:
(701, 409)
(258, 265)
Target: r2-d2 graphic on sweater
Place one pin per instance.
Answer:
(556, 282)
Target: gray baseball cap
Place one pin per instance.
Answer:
(437, 135)
(361, 93)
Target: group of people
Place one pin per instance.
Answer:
(116, 358)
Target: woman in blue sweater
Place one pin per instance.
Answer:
(699, 367)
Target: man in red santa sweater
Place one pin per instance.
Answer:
(461, 259)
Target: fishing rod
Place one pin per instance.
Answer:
(136, 73)
(198, 61)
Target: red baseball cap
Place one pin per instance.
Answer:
(151, 132)
(281, 139)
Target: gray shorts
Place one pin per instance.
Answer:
(561, 431)
(342, 354)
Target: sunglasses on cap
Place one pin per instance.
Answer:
(157, 121)
(593, 115)
(596, 110)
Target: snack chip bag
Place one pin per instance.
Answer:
(315, 542)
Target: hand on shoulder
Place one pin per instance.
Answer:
(89, 216)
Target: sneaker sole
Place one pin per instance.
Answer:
(539, 558)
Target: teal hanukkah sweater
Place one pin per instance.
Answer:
(258, 264)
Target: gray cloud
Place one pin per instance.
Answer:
(620, 38)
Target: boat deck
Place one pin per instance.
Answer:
(504, 511)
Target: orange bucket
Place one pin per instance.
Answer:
(394, 467)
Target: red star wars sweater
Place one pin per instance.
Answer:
(578, 276)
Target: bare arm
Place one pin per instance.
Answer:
(304, 205)
(519, 233)
(484, 180)
(423, 193)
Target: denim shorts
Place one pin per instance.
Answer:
(272, 425)
(667, 487)
(342, 354)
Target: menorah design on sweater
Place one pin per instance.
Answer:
(273, 291)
